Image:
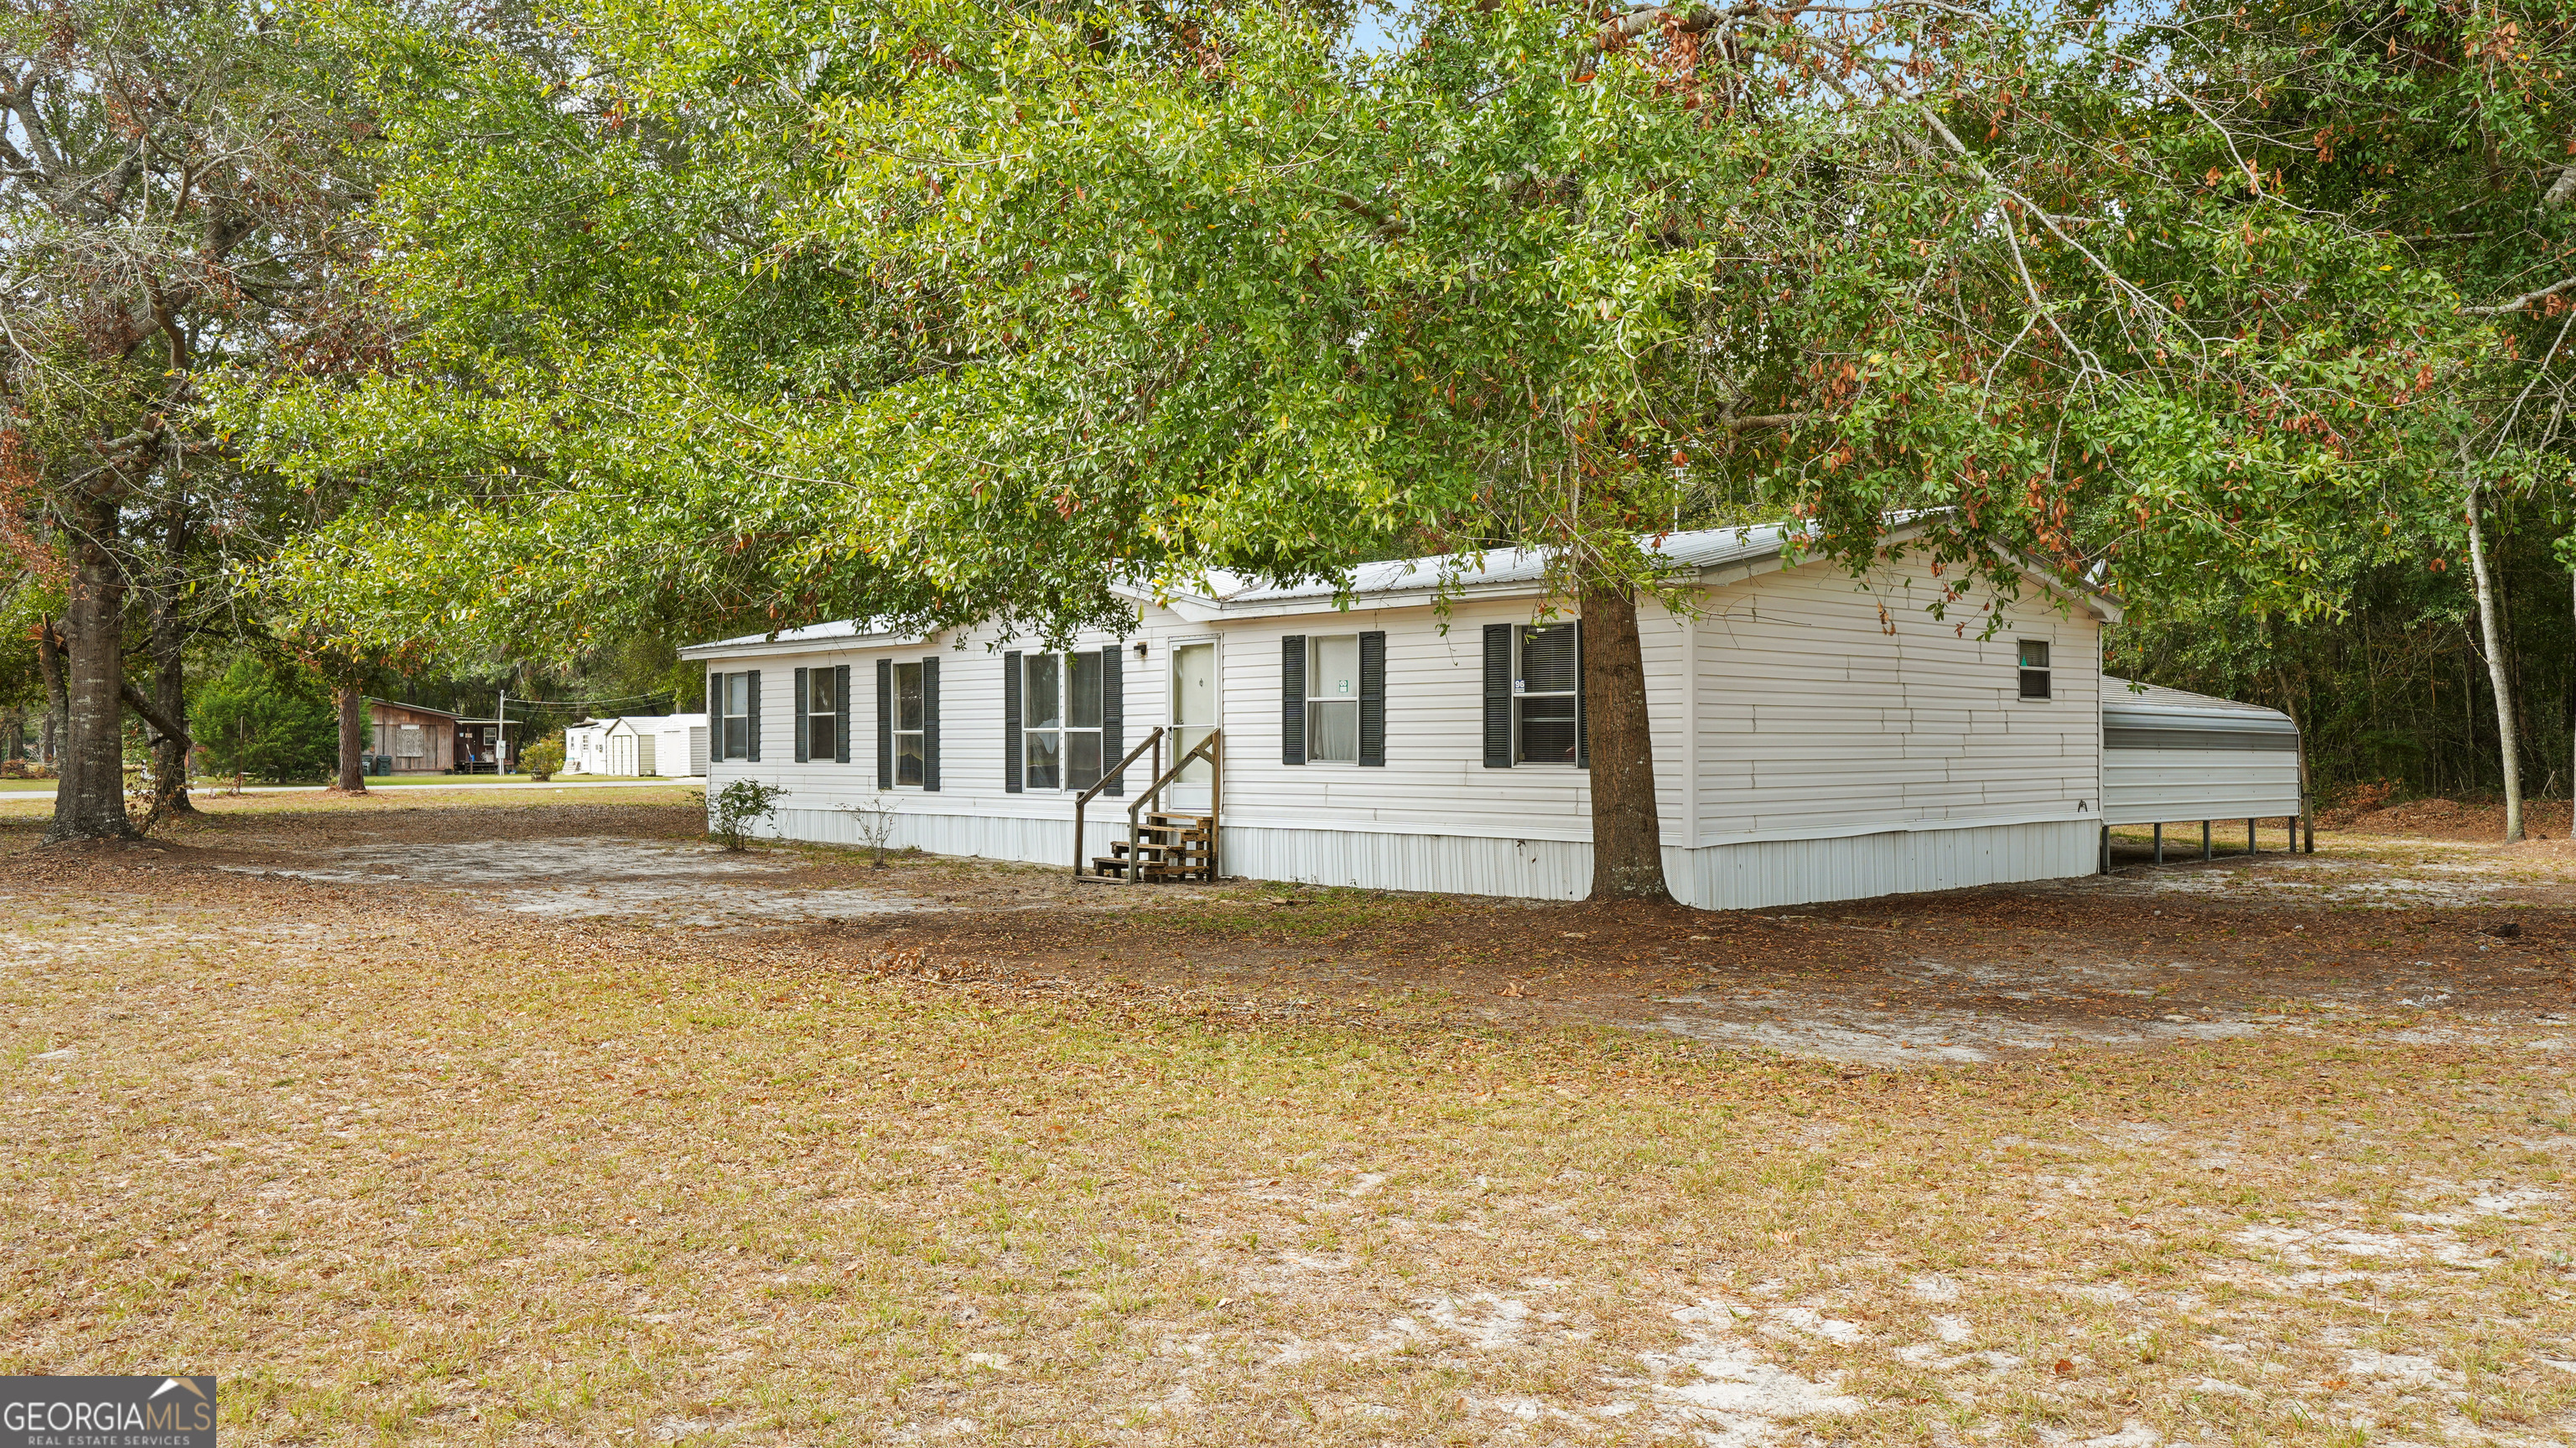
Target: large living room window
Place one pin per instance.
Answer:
(1060, 735)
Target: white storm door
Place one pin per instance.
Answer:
(1194, 718)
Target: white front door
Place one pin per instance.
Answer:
(1194, 717)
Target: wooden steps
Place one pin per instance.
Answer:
(1168, 847)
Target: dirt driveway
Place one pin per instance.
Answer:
(516, 1118)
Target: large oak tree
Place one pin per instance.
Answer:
(1547, 280)
(934, 313)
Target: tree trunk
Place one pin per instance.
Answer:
(353, 738)
(1627, 837)
(2506, 741)
(58, 707)
(170, 696)
(89, 795)
(2307, 786)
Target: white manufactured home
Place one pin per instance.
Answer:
(1817, 736)
(586, 746)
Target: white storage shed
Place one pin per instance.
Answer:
(645, 745)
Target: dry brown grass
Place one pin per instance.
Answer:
(398, 1170)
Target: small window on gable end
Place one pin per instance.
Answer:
(2034, 668)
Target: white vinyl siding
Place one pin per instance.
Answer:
(1817, 721)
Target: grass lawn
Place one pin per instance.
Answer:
(402, 1165)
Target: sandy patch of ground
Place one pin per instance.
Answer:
(587, 877)
(2146, 957)
(1257, 1165)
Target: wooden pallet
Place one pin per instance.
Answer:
(1168, 847)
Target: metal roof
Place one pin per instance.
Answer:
(2129, 705)
(1719, 556)
(417, 708)
(840, 631)
(1700, 548)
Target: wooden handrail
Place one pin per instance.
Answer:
(1206, 749)
(1153, 741)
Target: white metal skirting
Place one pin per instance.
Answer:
(1741, 876)
(991, 837)
(1762, 873)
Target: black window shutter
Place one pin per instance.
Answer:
(1373, 697)
(1498, 696)
(1113, 715)
(885, 723)
(930, 724)
(715, 715)
(1582, 726)
(1011, 751)
(1292, 699)
(804, 721)
(754, 729)
(840, 713)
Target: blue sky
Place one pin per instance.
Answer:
(1380, 27)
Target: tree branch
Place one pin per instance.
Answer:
(2520, 303)
(135, 701)
(2563, 190)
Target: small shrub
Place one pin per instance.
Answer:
(546, 756)
(876, 824)
(739, 805)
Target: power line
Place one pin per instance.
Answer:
(590, 703)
